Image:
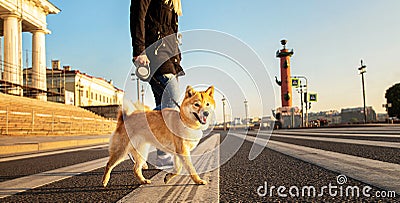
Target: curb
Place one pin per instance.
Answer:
(35, 147)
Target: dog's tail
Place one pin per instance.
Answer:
(140, 107)
(120, 117)
(128, 107)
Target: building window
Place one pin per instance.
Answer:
(91, 95)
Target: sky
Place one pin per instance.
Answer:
(329, 39)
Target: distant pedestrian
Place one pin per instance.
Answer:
(154, 28)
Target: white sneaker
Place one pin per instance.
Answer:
(164, 162)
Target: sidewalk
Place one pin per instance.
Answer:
(27, 144)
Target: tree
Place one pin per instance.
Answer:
(393, 97)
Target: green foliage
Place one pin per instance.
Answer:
(393, 97)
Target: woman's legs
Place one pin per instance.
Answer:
(166, 93)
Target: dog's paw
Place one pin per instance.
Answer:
(145, 182)
(145, 167)
(105, 181)
(168, 177)
(201, 182)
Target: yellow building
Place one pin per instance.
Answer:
(16, 17)
(76, 88)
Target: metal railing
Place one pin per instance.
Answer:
(13, 121)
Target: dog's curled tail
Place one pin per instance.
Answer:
(140, 107)
(120, 117)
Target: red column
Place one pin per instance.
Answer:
(286, 81)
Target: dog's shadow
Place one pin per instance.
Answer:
(153, 185)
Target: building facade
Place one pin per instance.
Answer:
(332, 116)
(356, 115)
(17, 16)
(76, 88)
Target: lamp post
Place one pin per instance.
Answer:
(301, 103)
(80, 87)
(142, 93)
(223, 111)
(246, 112)
(363, 70)
(133, 77)
(305, 98)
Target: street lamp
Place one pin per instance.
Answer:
(223, 111)
(80, 89)
(246, 112)
(142, 93)
(305, 97)
(301, 103)
(133, 77)
(363, 70)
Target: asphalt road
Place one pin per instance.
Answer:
(240, 178)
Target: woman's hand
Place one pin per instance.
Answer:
(142, 59)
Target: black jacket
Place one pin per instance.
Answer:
(154, 27)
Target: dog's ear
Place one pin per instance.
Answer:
(190, 91)
(210, 91)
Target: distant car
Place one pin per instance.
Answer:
(314, 123)
(394, 120)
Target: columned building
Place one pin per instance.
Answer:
(17, 16)
(76, 88)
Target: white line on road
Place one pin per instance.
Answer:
(378, 173)
(13, 158)
(351, 130)
(341, 140)
(11, 187)
(334, 134)
(182, 188)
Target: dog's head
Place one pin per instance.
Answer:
(197, 107)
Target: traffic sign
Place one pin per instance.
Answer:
(295, 82)
(313, 97)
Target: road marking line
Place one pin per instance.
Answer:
(335, 134)
(341, 140)
(378, 173)
(182, 188)
(11, 187)
(13, 158)
(368, 130)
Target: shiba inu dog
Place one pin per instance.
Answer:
(170, 130)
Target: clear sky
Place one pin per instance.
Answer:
(329, 39)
